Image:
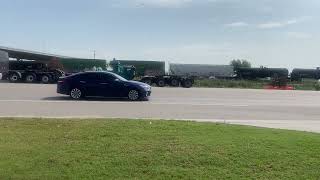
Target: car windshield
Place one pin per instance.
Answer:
(119, 77)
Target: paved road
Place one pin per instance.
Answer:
(297, 110)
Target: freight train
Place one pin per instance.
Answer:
(185, 74)
(179, 72)
(49, 72)
(295, 75)
(34, 67)
(45, 71)
(4, 66)
(45, 66)
(299, 74)
(154, 72)
(30, 72)
(262, 72)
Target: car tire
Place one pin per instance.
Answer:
(134, 95)
(76, 93)
(161, 83)
(30, 78)
(45, 79)
(14, 77)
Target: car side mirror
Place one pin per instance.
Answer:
(117, 80)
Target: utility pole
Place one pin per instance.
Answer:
(94, 54)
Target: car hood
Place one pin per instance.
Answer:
(138, 83)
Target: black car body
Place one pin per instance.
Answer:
(104, 84)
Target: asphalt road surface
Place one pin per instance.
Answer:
(297, 110)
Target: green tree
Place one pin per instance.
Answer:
(240, 63)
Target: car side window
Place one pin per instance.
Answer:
(93, 77)
(97, 77)
(107, 77)
(87, 77)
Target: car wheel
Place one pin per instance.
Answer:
(76, 93)
(45, 79)
(133, 95)
(14, 77)
(30, 78)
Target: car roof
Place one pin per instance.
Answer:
(96, 72)
(90, 72)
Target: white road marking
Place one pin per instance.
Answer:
(190, 103)
(124, 102)
(199, 104)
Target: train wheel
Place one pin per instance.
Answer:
(14, 77)
(161, 83)
(30, 78)
(175, 82)
(45, 79)
(187, 83)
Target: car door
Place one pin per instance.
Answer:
(111, 85)
(91, 84)
(106, 87)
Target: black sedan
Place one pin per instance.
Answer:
(102, 84)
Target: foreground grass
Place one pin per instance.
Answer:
(311, 85)
(122, 149)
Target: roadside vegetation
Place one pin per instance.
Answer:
(140, 149)
(311, 85)
(221, 83)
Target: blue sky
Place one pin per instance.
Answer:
(273, 33)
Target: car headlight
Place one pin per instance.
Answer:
(146, 87)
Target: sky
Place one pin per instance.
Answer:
(271, 33)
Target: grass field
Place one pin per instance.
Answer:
(124, 149)
(220, 83)
(311, 85)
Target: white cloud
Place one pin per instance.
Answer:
(271, 25)
(162, 3)
(159, 3)
(299, 35)
(237, 24)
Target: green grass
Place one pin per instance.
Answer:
(311, 85)
(220, 83)
(124, 149)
